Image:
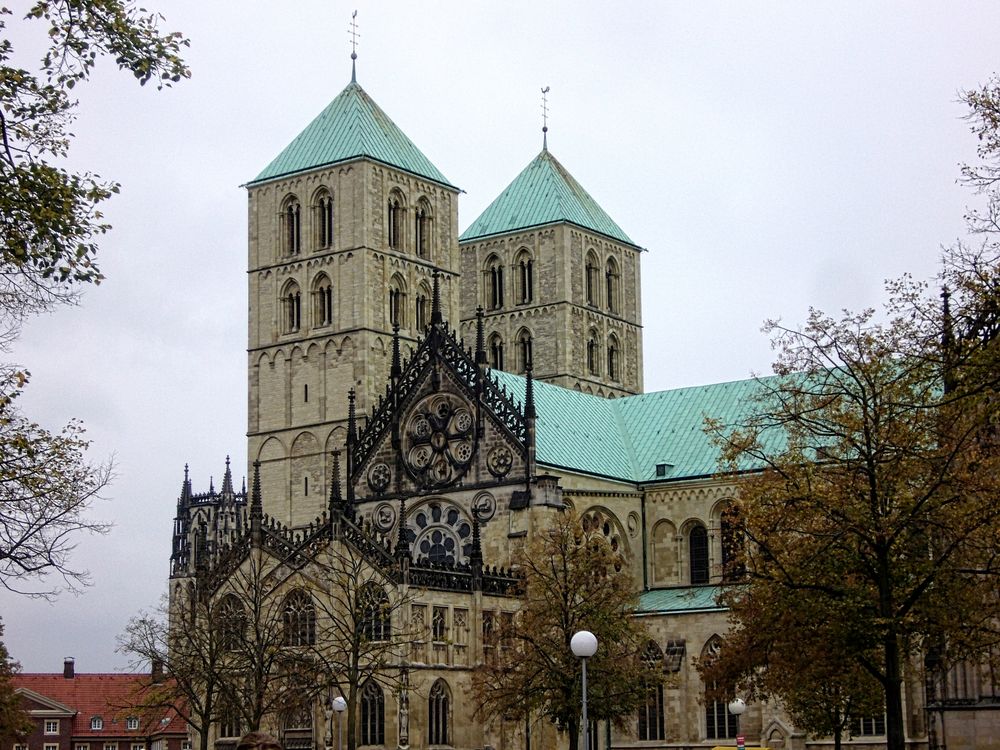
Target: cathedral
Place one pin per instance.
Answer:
(427, 400)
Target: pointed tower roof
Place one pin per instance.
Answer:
(352, 126)
(544, 193)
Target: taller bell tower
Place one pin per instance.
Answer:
(346, 228)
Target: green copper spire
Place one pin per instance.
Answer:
(352, 126)
(544, 193)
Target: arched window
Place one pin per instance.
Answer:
(698, 554)
(613, 373)
(395, 222)
(524, 266)
(322, 301)
(420, 308)
(372, 714)
(612, 284)
(592, 353)
(299, 619)
(324, 219)
(733, 568)
(422, 229)
(524, 350)
(397, 303)
(291, 301)
(230, 724)
(291, 220)
(493, 283)
(719, 723)
(373, 604)
(231, 620)
(437, 714)
(496, 352)
(591, 278)
(651, 712)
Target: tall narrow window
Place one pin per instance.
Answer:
(494, 284)
(592, 354)
(651, 712)
(372, 714)
(292, 302)
(525, 279)
(323, 301)
(422, 230)
(698, 551)
(299, 619)
(733, 568)
(421, 310)
(395, 223)
(437, 715)
(613, 373)
(291, 218)
(591, 279)
(324, 219)
(524, 350)
(373, 604)
(611, 283)
(397, 302)
(496, 352)
(719, 723)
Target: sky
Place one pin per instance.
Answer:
(768, 157)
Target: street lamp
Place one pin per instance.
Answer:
(584, 645)
(736, 707)
(338, 704)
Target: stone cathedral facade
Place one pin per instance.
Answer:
(428, 400)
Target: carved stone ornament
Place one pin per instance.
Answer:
(379, 476)
(438, 440)
(384, 518)
(484, 506)
(499, 461)
(633, 524)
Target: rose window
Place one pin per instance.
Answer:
(440, 533)
(439, 440)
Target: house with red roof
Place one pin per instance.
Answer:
(74, 711)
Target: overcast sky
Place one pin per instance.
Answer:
(768, 156)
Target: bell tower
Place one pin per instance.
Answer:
(346, 227)
(558, 281)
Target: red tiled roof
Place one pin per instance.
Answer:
(102, 695)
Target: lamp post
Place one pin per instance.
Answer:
(338, 704)
(584, 645)
(736, 707)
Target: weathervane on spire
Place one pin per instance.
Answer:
(353, 31)
(545, 118)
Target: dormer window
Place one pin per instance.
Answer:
(132, 723)
(96, 723)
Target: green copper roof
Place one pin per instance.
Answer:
(544, 193)
(352, 126)
(680, 600)
(626, 438)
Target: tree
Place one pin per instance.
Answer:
(49, 224)
(191, 657)
(872, 491)
(15, 725)
(46, 485)
(361, 636)
(573, 581)
(794, 651)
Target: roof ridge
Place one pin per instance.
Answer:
(626, 439)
